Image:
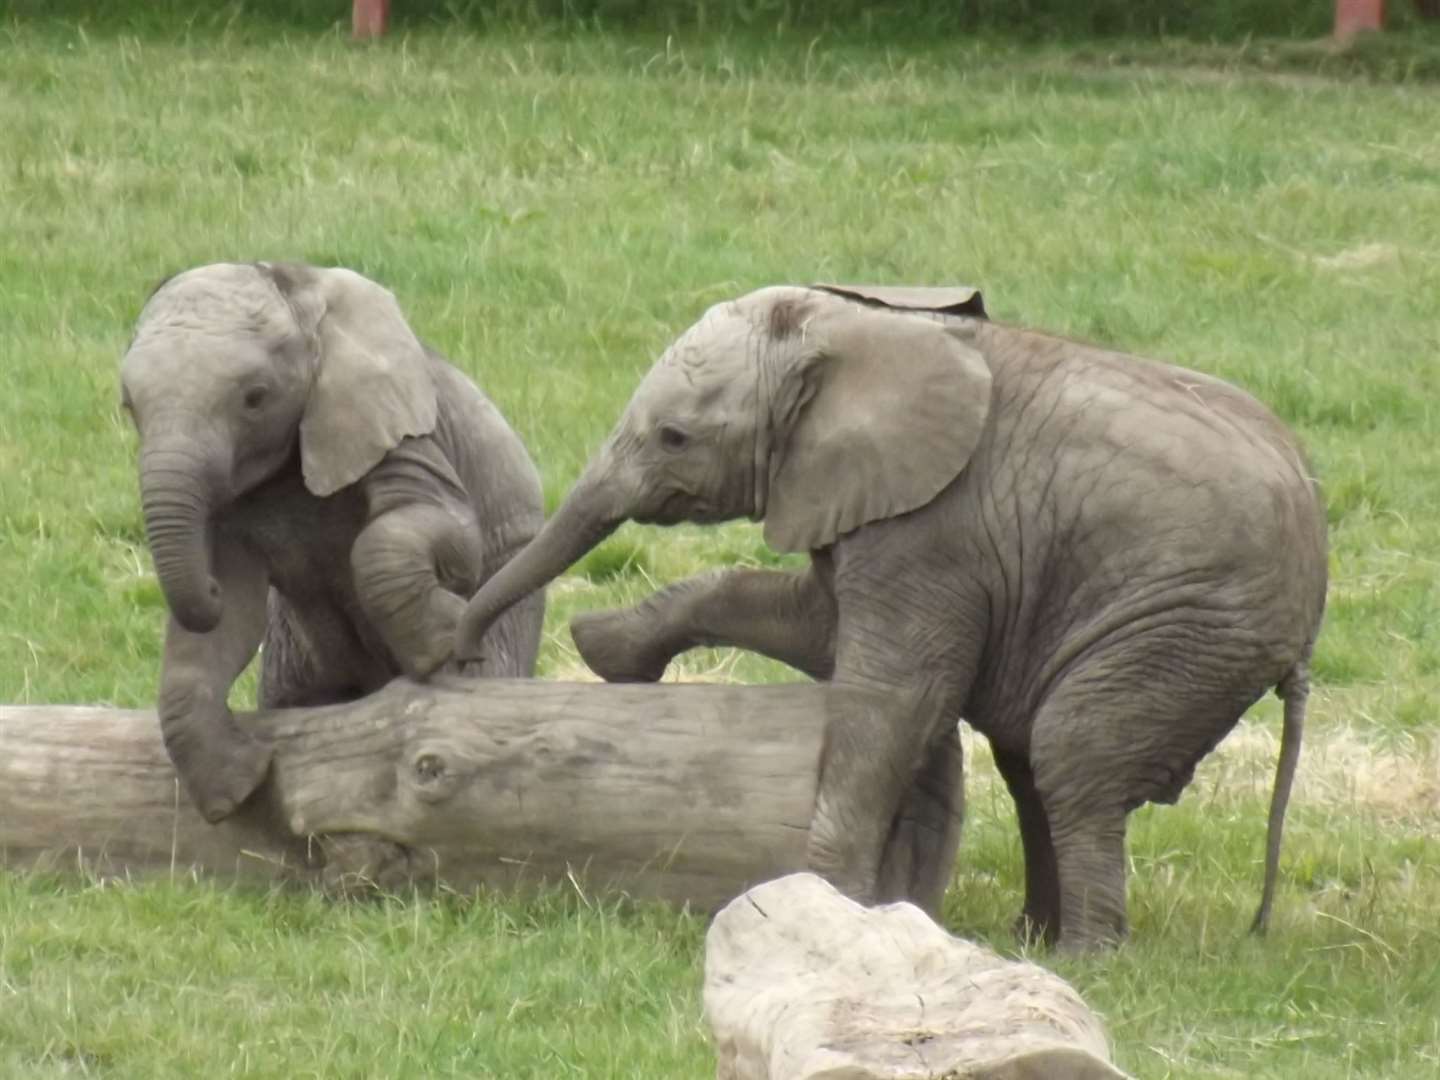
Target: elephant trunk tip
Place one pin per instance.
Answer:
(470, 631)
(201, 614)
(590, 513)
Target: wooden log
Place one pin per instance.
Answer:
(803, 984)
(687, 793)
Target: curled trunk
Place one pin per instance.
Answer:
(175, 498)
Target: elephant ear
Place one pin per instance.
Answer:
(879, 412)
(948, 300)
(373, 385)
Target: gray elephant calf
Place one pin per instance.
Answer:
(315, 478)
(1098, 561)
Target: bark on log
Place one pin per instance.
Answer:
(803, 984)
(687, 793)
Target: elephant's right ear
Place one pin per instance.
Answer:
(373, 386)
(884, 410)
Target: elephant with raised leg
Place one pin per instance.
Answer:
(313, 478)
(1097, 560)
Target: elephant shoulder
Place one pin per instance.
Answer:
(486, 451)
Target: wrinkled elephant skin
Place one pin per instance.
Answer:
(315, 479)
(1097, 560)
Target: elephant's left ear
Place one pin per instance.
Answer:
(373, 385)
(887, 409)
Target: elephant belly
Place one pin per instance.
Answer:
(319, 648)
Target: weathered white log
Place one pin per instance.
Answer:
(804, 984)
(688, 793)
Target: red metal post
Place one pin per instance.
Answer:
(369, 17)
(1353, 16)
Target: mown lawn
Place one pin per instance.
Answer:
(551, 208)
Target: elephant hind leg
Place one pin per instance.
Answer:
(786, 615)
(1099, 752)
(1090, 861)
(1040, 917)
(292, 674)
(1085, 775)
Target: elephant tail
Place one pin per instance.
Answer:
(1293, 690)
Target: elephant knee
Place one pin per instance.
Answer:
(411, 567)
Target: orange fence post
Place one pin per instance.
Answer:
(369, 17)
(1353, 16)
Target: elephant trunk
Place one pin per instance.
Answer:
(176, 500)
(593, 510)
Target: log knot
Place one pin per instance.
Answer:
(436, 772)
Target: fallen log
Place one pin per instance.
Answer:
(687, 793)
(803, 984)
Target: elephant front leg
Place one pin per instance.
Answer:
(865, 774)
(787, 616)
(410, 566)
(219, 763)
(919, 857)
(900, 633)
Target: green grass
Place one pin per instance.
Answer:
(911, 20)
(551, 207)
(279, 985)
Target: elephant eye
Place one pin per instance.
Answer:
(672, 438)
(255, 397)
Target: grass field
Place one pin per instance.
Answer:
(550, 209)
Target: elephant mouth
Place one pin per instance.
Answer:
(682, 506)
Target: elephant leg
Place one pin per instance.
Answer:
(867, 767)
(510, 647)
(1040, 918)
(1107, 741)
(287, 673)
(220, 764)
(919, 857)
(1090, 859)
(1085, 775)
(907, 629)
(410, 564)
(294, 674)
(787, 616)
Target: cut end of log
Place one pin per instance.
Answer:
(802, 983)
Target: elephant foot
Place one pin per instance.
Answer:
(357, 865)
(611, 647)
(1093, 942)
(834, 856)
(1035, 929)
(219, 765)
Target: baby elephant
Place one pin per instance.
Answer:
(316, 479)
(1097, 560)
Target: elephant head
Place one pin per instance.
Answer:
(816, 410)
(236, 368)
